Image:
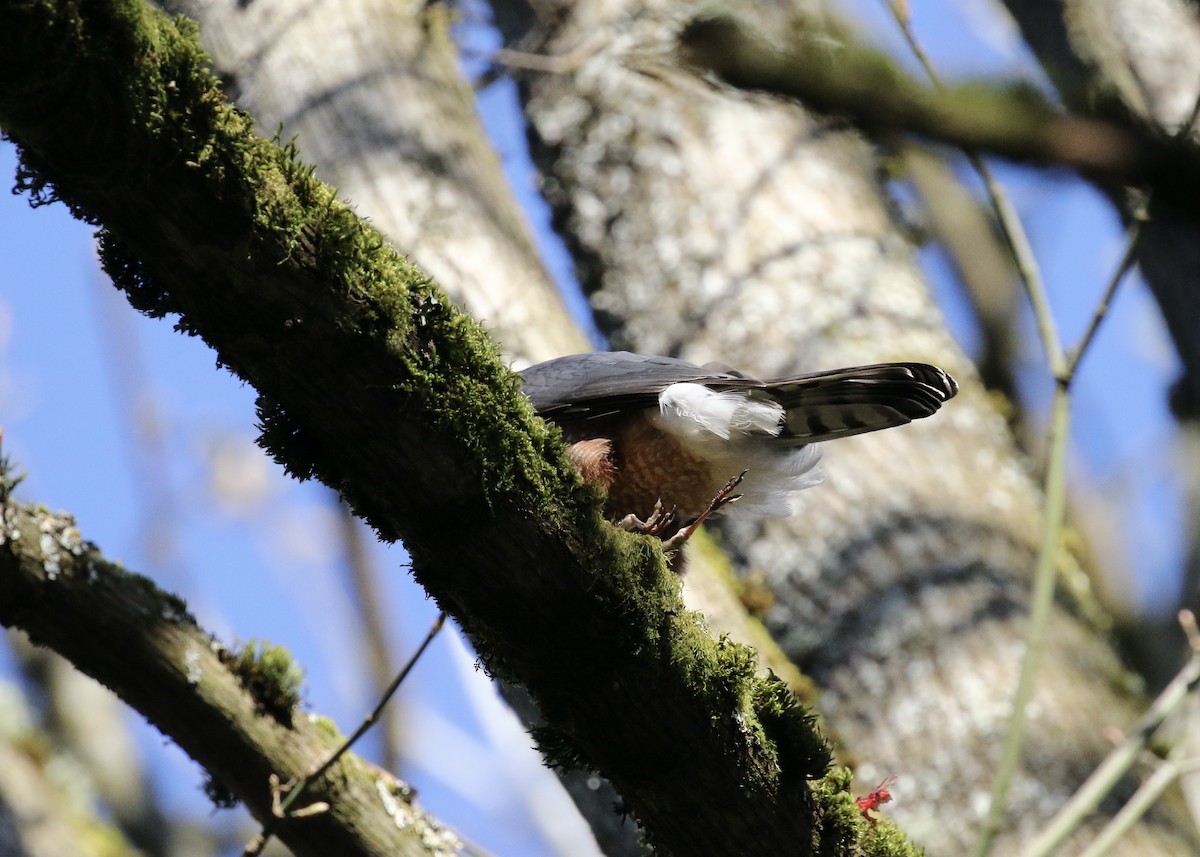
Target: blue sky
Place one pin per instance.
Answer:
(133, 429)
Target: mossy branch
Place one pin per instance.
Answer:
(235, 714)
(371, 381)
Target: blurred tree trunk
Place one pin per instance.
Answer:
(39, 816)
(714, 224)
(86, 722)
(371, 91)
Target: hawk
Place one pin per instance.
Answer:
(669, 441)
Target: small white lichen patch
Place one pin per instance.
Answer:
(9, 531)
(191, 666)
(49, 548)
(436, 839)
(71, 540)
(399, 811)
(58, 536)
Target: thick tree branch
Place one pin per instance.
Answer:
(372, 382)
(229, 714)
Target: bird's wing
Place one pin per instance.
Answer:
(820, 406)
(602, 383)
(844, 402)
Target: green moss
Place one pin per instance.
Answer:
(329, 727)
(559, 751)
(10, 478)
(288, 443)
(270, 676)
(793, 728)
(837, 815)
(841, 828)
(887, 840)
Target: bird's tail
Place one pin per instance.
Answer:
(844, 402)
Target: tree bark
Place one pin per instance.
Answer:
(715, 224)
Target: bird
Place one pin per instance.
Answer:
(670, 442)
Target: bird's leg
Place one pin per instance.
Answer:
(722, 499)
(660, 520)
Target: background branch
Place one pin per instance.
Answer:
(231, 715)
(868, 88)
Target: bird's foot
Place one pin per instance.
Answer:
(660, 520)
(723, 498)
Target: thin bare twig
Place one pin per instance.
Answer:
(1133, 240)
(376, 641)
(281, 808)
(1063, 367)
(565, 63)
(1088, 796)
(1039, 618)
(1137, 806)
(1055, 479)
(1010, 224)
